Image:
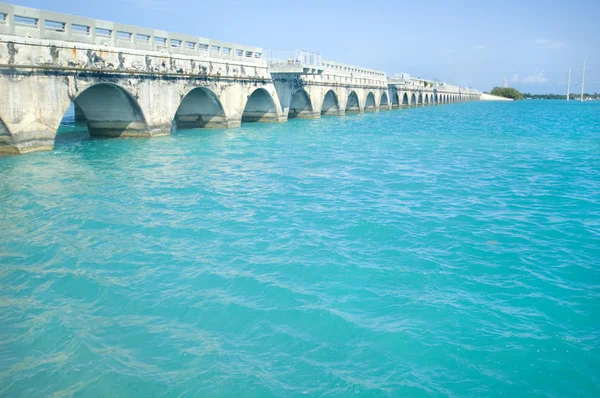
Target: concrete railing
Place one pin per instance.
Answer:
(37, 24)
(306, 58)
(303, 58)
(351, 70)
(410, 84)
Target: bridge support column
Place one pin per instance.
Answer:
(118, 128)
(31, 108)
(201, 121)
(333, 112)
(25, 141)
(304, 114)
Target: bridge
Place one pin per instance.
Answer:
(127, 81)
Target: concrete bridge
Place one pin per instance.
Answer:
(127, 81)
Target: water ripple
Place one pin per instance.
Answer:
(438, 251)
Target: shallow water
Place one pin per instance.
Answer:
(440, 251)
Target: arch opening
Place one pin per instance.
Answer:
(420, 100)
(330, 104)
(300, 106)
(395, 101)
(405, 100)
(413, 99)
(370, 105)
(103, 110)
(200, 108)
(260, 107)
(435, 98)
(426, 100)
(352, 106)
(383, 103)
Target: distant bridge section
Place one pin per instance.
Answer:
(408, 91)
(331, 88)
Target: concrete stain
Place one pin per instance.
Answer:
(12, 51)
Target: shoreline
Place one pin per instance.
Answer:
(490, 97)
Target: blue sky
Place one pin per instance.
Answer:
(476, 43)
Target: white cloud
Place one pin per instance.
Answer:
(479, 47)
(536, 78)
(550, 44)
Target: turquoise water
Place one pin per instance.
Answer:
(439, 251)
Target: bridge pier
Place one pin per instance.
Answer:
(79, 116)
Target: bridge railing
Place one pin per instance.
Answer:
(306, 59)
(37, 24)
(354, 71)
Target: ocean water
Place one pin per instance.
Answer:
(445, 251)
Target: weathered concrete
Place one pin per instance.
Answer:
(127, 81)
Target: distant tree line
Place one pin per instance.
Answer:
(560, 96)
(507, 92)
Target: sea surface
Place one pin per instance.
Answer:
(446, 251)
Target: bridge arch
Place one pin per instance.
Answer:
(331, 105)
(352, 105)
(109, 110)
(436, 99)
(200, 108)
(426, 100)
(300, 105)
(413, 99)
(370, 105)
(406, 100)
(260, 107)
(383, 102)
(420, 99)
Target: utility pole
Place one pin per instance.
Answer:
(582, 81)
(569, 85)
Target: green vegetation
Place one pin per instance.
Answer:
(573, 96)
(507, 92)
